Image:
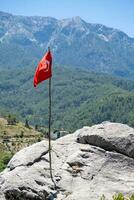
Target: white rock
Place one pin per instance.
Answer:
(101, 163)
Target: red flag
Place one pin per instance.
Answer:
(44, 69)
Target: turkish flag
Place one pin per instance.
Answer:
(44, 69)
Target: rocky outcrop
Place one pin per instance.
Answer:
(93, 161)
(110, 138)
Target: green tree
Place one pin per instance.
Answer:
(12, 120)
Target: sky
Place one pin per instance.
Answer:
(113, 13)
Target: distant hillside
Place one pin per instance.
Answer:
(74, 42)
(79, 97)
(13, 138)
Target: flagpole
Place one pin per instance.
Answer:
(41, 75)
(49, 130)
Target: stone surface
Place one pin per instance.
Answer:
(93, 161)
(111, 137)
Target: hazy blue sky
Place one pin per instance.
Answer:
(114, 13)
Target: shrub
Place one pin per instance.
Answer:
(36, 127)
(39, 139)
(12, 120)
(118, 196)
(22, 134)
(4, 159)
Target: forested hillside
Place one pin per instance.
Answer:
(79, 97)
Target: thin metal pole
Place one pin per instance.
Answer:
(49, 130)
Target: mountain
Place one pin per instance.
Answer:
(79, 97)
(75, 43)
(93, 162)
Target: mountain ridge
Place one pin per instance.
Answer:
(78, 18)
(74, 42)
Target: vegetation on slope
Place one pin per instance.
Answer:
(78, 98)
(13, 138)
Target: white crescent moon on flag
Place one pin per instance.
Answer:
(46, 66)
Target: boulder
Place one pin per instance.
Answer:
(111, 137)
(91, 162)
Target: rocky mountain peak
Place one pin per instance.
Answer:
(72, 22)
(78, 19)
